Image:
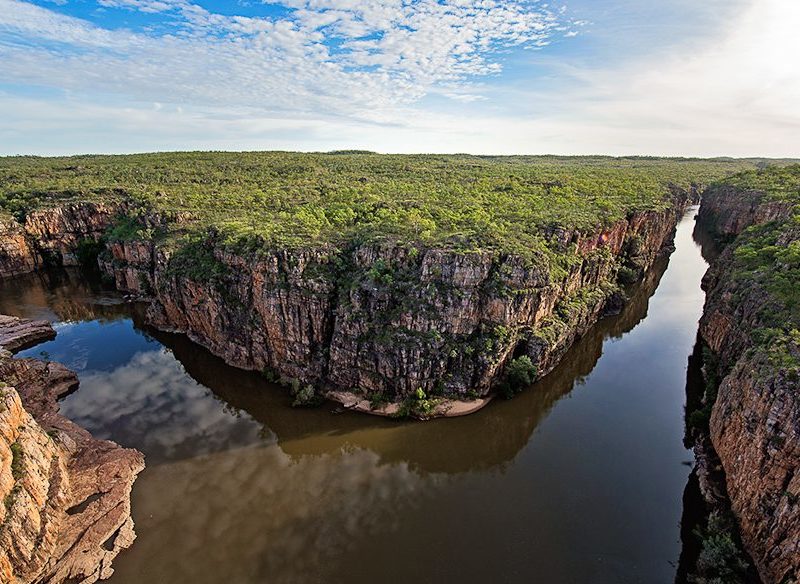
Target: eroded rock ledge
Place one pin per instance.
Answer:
(66, 511)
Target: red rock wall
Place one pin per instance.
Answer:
(755, 421)
(446, 321)
(16, 254)
(52, 235)
(66, 512)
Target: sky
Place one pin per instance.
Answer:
(620, 77)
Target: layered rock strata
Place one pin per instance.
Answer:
(66, 495)
(374, 321)
(52, 236)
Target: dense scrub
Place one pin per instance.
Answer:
(777, 183)
(291, 200)
(766, 265)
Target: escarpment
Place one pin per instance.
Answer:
(375, 320)
(750, 323)
(16, 255)
(381, 320)
(66, 495)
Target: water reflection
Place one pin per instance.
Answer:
(710, 247)
(62, 296)
(258, 515)
(577, 479)
(150, 389)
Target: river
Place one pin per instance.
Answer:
(578, 479)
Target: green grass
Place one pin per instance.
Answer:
(266, 199)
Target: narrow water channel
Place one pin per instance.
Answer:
(579, 479)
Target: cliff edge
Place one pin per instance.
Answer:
(66, 495)
(751, 324)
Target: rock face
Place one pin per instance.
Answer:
(19, 333)
(727, 211)
(374, 319)
(16, 255)
(52, 236)
(57, 232)
(755, 421)
(66, 511)
(387, 319)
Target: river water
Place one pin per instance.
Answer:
(578, 479)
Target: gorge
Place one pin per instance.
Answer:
(419, 329)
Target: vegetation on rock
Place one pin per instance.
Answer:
(721, 559)
(390, 242)
(520, 373)
(751, 321)
(257, 199)
(766, 265)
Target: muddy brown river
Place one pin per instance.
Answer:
(578, 479)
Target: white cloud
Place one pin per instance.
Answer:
(389, 52)
(402, 77)
(738, 93)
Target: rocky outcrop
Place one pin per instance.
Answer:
(19, 333)
(66, 511)
(131, 264)
(52, 236)
(727, 211)
(383, 319)
(755, 421)
(16, 255)
(374, 320)
(57, 232)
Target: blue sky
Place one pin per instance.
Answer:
(673, 77)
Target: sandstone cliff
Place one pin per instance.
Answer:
(374, 321)
(16, 255)
(52, 236)
(755, 420)
(381, 320)
(66, 511)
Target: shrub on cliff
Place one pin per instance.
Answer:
(305, 396)
(17, 461)
(195, 259)
(87, 252)
(520, 373)
(721, 559)
(627, 275)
